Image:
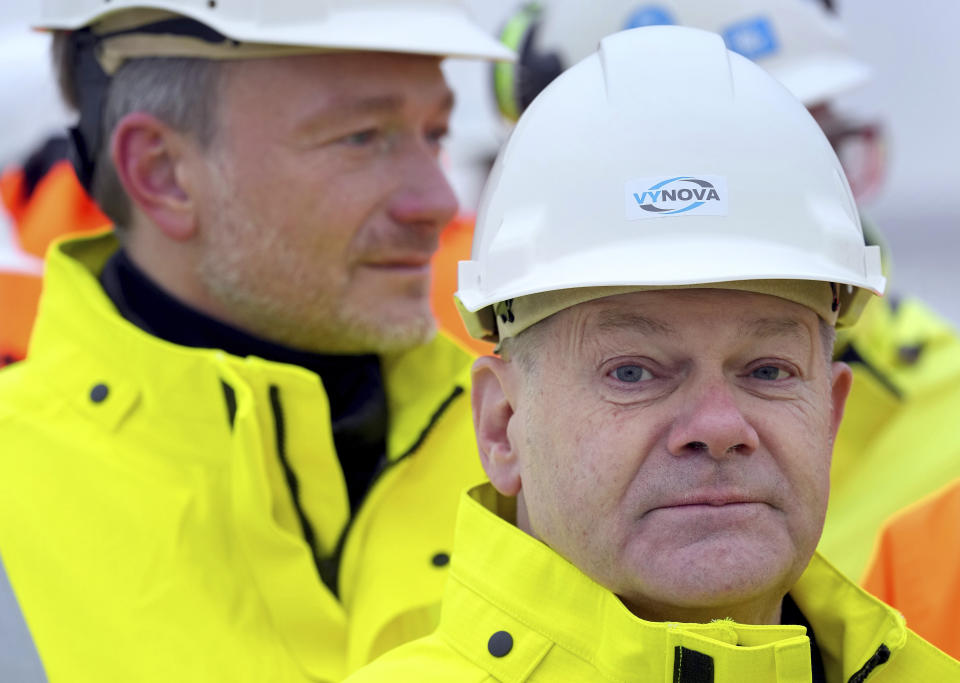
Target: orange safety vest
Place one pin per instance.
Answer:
(916, 567)
(57, 206)
(455, 243)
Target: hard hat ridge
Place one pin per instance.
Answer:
(799, 42)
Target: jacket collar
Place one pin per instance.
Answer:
(546, 600)
(180, 390)
(77, 320)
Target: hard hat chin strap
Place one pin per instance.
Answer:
(90, 83)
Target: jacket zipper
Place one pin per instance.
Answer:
(879, 657)
(329, 567)
(293, 483)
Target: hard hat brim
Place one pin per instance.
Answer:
(416, 28)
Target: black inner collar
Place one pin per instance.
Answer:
(791, 615)
(353, 383)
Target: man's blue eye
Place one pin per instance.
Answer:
(768, 372)
(631, 373)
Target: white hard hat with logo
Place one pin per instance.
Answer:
(664, 160)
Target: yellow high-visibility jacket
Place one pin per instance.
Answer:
(516, 611)
(900, 435)
(147, 524)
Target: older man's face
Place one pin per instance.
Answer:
(675, 445)
(323, 198)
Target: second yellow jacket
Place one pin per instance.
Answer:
(147, 520)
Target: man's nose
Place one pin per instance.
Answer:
(425, 201)
(711, 422)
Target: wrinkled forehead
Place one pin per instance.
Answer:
(684, 316)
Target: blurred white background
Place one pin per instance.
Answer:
(916, 93)
(30, 108)
(913, 48)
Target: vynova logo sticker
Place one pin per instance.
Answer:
(701, 195)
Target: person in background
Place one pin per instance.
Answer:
(663, 287)
(43, 201)
(40, 197)
(234, 450)
(916, 566)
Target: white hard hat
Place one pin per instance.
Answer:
(798, 41)
(665, 160)
(431, 27)
(106, 33)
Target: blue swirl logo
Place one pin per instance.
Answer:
(659, 193)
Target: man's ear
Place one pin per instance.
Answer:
(150, 159)
(842, 381)
(493, 382)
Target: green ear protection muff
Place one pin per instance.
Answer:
(517, 84)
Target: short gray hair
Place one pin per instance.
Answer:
(524, 349)
(180, 91)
